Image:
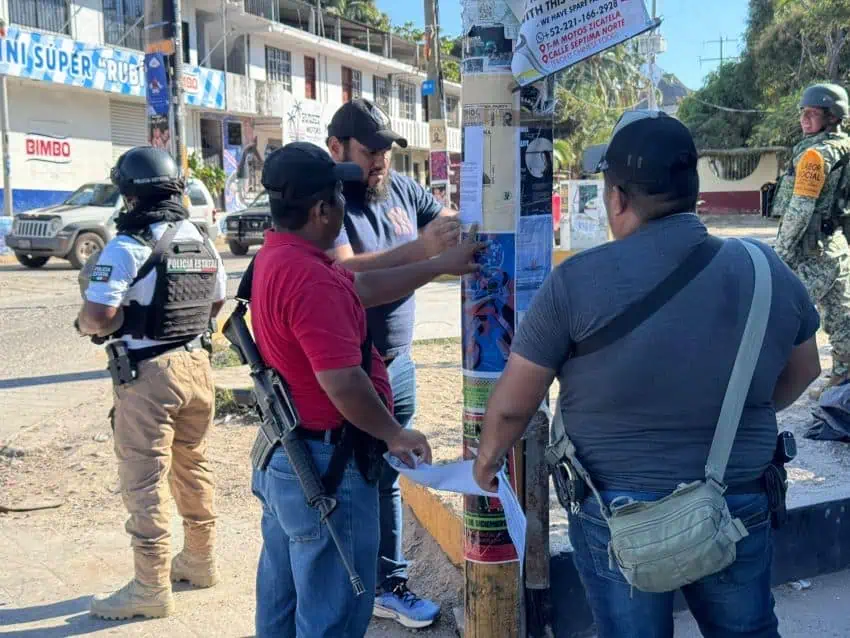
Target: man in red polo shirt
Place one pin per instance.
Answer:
(309, 321)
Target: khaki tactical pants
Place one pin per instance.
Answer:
(161, 422)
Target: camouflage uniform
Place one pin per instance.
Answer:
(805, 196)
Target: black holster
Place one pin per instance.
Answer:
(121, 367)
(569, 486)
(776, 478)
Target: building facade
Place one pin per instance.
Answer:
(257, 74)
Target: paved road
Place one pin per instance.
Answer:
(47, 368)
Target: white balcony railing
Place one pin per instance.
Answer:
(416, 133)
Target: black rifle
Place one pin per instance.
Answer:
(279, 423)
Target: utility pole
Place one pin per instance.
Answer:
(653, 104)
(433, 92)
(179, 106)
(4, 132)
(506, 190)
(164, 41)
(723, 57)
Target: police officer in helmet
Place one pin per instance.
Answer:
(813, 200)
(151, 295)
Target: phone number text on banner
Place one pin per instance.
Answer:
(556, 34)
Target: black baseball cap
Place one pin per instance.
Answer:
(301, 169)
(649, 148)
(366, 123)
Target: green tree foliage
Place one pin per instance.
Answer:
(449, 47)
(363, 11)
(790, 44)
(213, 177)
(591, 96)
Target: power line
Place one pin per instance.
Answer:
(730, 110)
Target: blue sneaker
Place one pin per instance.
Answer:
(405, 607)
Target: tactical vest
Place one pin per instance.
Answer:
(186, 275)
(832, 209)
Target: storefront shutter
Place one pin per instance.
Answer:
(129, 126)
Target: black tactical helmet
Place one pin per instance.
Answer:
(830, 97)
(147, 172)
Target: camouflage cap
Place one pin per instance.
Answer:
(831, 97)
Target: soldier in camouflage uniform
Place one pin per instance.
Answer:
(812, 200)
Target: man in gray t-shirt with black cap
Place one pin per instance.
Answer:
(642, 410)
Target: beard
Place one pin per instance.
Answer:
(372, 194)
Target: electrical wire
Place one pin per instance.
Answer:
(730, 110)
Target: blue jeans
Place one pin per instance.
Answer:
(734, 602)
(303, 589)
(391, 561)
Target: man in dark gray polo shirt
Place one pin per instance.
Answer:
(390, 220)
(642, 411)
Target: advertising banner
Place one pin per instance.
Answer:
(556, 34)
(61, 60)
(157, 95)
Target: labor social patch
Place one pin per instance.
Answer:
(811, 175)
(101, 273)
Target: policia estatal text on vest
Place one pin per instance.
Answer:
(151, 296)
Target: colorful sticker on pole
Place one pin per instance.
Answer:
(487, 299)
(486, 538)
(439, 166)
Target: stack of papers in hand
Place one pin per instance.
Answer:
(457, 477)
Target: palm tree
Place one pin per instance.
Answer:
(591, 97)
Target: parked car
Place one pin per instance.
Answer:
(247, 227)
(82, 225)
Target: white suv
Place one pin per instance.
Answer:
(83, 224)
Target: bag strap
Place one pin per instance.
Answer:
(744, 367)
(642, 309)
(156, 254)
(633, 316)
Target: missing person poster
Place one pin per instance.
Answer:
(535, 148)
(556, 34)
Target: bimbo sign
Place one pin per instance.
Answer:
(47, 148)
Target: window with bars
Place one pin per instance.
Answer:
(452, 111)
(406, 101)
(381, 88)
(309, 78)
(47, 15)
(279, 67)
(123, 23)
(351, 84)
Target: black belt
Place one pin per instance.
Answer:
(331, 437)
(140, 354)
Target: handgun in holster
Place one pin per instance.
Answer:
(569, 486)
(121, 367)
(776, 478)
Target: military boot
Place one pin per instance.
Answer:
(134, 599)
(199, 572)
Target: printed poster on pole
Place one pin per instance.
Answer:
(556, 34)
(488, 305)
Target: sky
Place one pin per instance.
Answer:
(688, 26)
